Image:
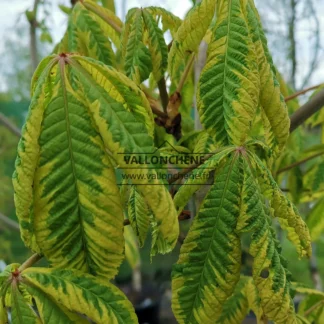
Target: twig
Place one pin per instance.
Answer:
(30, 262)
(185, 73)
(307, 110)
(299, 93)
(163, 94)
(293, 165)
(7, 123)
(9, 222)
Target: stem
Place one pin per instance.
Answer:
(293, 165)
(307, 110)
(103, 16)
(9, 222)
(30, 262)
(299, 93)
(163, 94)
(185, 73)
(8, 124)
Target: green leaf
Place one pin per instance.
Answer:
(228, 92)
(3, 313)
(287, 214)
(236, 307)
(169, 20)
(21, 313)
(63, 166)
(269, 268)
(131, 248)
(109, 23)
(99, 300)
(138, 60)
(52, 312)
(139, 215)
(122, 89)
(190, 34)
(127, 136)
(271, 100)
(86, 37)
(209, 264)
(315, 220)
(157, 46)
(65, 9)
(198, 178)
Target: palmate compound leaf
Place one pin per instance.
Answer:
(68, 296)
(64, 171)
(209, 264)
(228, 91)
(204, 278)
(130, 139)
(64, 179)
(271, 100)
(190, 34)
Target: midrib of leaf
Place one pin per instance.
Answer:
(215, 227)
(87, 76)
(66, 109)
(226, 54)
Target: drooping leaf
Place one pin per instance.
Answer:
(131, 248)
(269, 268)
(139, 215)
(284, 210)
(99, 300)
(237, 305)
(209, 264)
(190, 34)
(138, 60)
(228, 92)
(271, 100)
